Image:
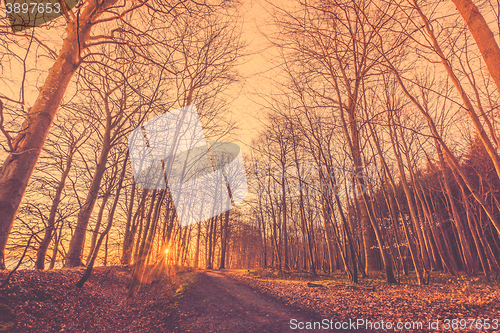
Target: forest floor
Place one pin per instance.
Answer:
(238, 301)
(216, 303)
(49, 301)
(469, 299)
(192, 301)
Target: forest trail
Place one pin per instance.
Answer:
(216, 303)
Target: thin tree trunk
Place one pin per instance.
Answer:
(197, 251)
(463, 240)
(210, 240)
(284, 219)
(408, 192)
(57, 239)
(73, 257)
(19, 165)
(95, 233)
(128, 237)
(90, 266)
(224, 241)
(305, 232)
(44, 244)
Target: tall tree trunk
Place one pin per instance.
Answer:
(49, 231)
(197, 251)
(145, 244)
(224, 241)
(413, 199)
(483, 36)
(391, 207)
(128, 237)
(350, 240)
(407, 190)
(411, 246)
(262, 227)
(95, 252)
(473, 230)
(351, 132)
(383, 252)
(306, 236)
(74, 255)
(284, 219)
(95, 232)
(214, 241)
(19, 165)
(462, 234)
(55, 250)
(209, 244)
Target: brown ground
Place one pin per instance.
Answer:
(445, 298)
(231, 301)
(216, 303)
(199, 302)
(49, 301)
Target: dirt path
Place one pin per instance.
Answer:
(216, 303)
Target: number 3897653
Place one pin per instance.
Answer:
(33, 7)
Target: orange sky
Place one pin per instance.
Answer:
(256, 70)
